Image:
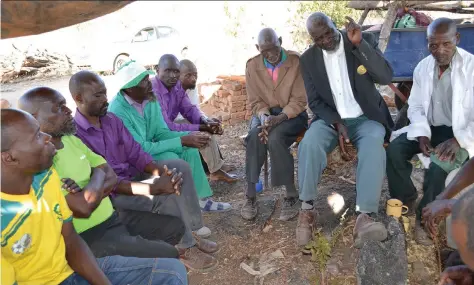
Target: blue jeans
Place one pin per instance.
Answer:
(320, 139)
(131, 270)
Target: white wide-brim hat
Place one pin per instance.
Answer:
(131, 73)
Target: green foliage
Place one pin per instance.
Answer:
(336, 10)
(234, 13)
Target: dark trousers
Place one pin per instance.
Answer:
(399, 169)
(149, 236)
(280, 139)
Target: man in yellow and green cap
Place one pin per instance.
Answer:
(141, 113)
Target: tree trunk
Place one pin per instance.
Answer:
(363, 16)
(387, 25)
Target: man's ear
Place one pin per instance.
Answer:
(280, 40)
(257, 48)
(7, 159)
(458, 38)
(78, 98)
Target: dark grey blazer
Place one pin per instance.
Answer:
(318, 90)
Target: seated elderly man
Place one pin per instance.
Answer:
(105, 134)
(278, 100)
(462, 228)
(39, 243)
(188, 75)
(88, 181)
(441, 121)
(173, 100)
(141, 114)
(340, 71)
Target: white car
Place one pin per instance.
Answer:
(146, 47)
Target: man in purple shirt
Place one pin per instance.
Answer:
(174, 100)
(106, 135)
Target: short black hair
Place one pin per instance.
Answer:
(463, 211)
(9, 118)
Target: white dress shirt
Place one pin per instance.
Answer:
(194, 98)
(336, 69)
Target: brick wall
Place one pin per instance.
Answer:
(231, 100)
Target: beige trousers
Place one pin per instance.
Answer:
(449, 236)
(210, 153)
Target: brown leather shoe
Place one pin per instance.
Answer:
(206, 246)
(220, 175)
(305, 227)
(196, 260)
(367, 229)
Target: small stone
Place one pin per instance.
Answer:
(332, 267)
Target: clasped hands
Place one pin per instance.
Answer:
(211, 125)
(268, 122)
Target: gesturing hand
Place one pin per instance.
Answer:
(343, 139)
(456, 275)
(70, 185)
(425, 146)
(195, 140)
(353, 30)
(170, 182)
(447, 150)
(434, 212)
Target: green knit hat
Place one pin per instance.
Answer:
(131, 73)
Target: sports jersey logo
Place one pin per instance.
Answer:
(21, 245)
(57, 210)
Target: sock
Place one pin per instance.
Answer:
(307, 205)
(203, 202)
(291, 191)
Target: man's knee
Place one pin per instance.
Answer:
(180, 164)
(253, 134)
(173, 268)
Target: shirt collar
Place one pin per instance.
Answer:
(133, 102)
(82, 121)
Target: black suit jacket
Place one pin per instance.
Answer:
(318, 90)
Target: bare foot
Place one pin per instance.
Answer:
(220, 175)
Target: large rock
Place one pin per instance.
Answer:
(384, 263)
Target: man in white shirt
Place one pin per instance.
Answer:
(188, 77)
(441, 118)
(340, 71)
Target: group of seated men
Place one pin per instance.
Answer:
(125, 183)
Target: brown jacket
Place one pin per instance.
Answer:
(287, 93)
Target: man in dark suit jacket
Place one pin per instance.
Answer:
(339, 72)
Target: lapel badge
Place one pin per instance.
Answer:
(361, 70)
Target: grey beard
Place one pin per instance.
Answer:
(70, 130)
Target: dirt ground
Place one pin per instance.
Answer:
(253, 242)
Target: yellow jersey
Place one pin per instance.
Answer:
(33, 249)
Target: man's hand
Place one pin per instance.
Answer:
(343, 137)
(273, 121)
(195, 140)
(435, 212)
(169, 183)
(70, 185)
(211, 125)
(457, 275)
(447, 150)
(425, 146)
(354, 32)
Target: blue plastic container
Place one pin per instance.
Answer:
(259, 186)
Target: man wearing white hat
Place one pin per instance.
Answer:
(141, 113)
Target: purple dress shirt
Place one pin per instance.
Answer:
(176, 101)
(115, 143)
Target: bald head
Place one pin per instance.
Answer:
(34, 99)
(11, 119)
(442, 40)
(442, 26)
(168, 70)
(323, 31)
(188, 74)
(269, 45)
(80, 79)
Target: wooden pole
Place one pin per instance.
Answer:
(387, 25)
(364, 16)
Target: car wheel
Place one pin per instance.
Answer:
(120, 60)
